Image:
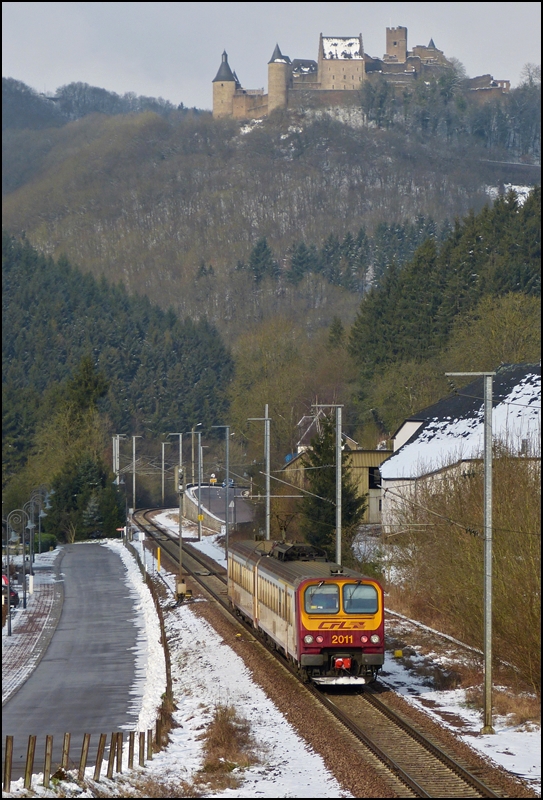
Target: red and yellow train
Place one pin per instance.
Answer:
(326, 619)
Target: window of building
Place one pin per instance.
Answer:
(374, 478)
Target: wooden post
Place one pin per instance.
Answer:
(158, 738)
(150, 744)
(29, 762)
(131, 737)
(119, 751)
(142, 749)
(84, 756)
(111, 759)
(47, 761)
(100, 756)
(7, 763)
(66, 751)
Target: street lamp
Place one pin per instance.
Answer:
(14, 517)
(18, 517)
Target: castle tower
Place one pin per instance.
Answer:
(278, 80)
(397, 44)
(224, 88)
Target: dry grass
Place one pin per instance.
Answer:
(519, 708)
(440, 557)
(228, 745)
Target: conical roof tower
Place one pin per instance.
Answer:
(224, 73)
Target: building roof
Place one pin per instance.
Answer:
(277, 56)
(452, 429)
(224, 73)
(304, 65)
(342, 47)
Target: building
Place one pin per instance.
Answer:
(448, 436)
(364, 465)
(335, 79)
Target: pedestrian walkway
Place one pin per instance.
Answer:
(32, 627)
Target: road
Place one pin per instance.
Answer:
(83, 682)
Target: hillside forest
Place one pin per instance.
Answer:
(165, 272)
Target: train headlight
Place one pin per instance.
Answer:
(308, 639)
(364, 639)
(375, 639)
(319, 639)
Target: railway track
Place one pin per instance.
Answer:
(420, 764)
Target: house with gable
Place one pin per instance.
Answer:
(449, 435)
(364, 464)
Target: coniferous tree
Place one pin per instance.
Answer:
(319, 508)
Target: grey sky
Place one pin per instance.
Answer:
(173, 50)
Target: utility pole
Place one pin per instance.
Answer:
(226, 481)
(163, 445)
(487, 522)
(192, 432)
(181, 490)
(338, 473)
(134, 472)
(200, 515)
(266, 420)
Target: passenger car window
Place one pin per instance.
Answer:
(322, 599)
(359, 598)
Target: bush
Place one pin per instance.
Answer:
(48, 542)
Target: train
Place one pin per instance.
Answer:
(327, 620)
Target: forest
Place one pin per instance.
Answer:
(210, 267)
(163, 271)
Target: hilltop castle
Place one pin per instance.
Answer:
(335, 79)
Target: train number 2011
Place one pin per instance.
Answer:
(337, 639)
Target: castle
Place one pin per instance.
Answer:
(336, 78)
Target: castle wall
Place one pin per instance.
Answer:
(249, 105)
(319, 98)
(341, 73)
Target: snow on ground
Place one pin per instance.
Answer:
(289, 767)
(517, 750)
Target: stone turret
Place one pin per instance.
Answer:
(278, 80)
(224, 88)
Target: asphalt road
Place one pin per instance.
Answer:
(82, 684)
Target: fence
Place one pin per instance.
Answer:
(149, 742)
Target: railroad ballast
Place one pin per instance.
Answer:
(326, 619)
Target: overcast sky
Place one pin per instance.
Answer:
(173, 50)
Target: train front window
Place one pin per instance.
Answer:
(322, 598)
(359, 598)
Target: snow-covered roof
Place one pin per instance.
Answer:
(452, 429)
(342, 47)
(304, 65)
